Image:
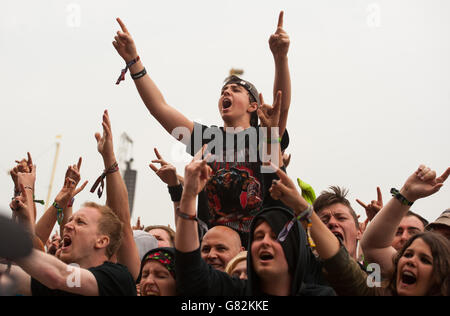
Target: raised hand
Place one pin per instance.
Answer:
(374, 206)
(286, 191)
(24, 166)
(423, 183)
(167, 173)
(196, 174)
(138, 225)
(105, 142)
(27, 179)
(270, 115)
(67, 192)
(124, 43)
(279, 42)
(20, 207)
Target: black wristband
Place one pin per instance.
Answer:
(175, 192)
(138, 75)
(396, 194)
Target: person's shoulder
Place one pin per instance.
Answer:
(114, 279)
(110, 266)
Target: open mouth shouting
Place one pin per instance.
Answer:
(67, 242)
(265, 256)
(338, 235)
(407, 278)
(226, 103)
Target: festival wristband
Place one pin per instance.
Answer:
(396, 194)
(175, 192)
(273, 140)
(100, 180)
(71, 202)
(138, 75)
(59, 213)
(191, 218)
(124, 71)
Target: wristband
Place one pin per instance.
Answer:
(396, 194)
(303, 216)
(124, 71)
(191, 218)
(175, 192)
(138, 75)
(273, 140)
(185, 216)
(59, 213)
(100, 180)
(71, 202)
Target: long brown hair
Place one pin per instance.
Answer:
(440, 250)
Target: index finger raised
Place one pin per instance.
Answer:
(158, 155)
(280, 19)
(199, 154)
(361, 203)
(30, 160)
(122, 25)
(379, 195)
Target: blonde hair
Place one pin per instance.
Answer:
(167, 228)
(109, 225)
(234, 262)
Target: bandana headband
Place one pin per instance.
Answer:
(165, 259)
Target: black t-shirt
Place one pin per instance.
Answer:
(113, 279)
(234, 194)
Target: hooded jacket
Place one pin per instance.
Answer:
(196, 278)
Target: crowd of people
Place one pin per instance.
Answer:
(242, 227)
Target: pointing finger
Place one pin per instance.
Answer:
(157, 153)
(30, 161)
(379, 196)
(79, 163)
(280, 20)
(361, 203)
(122, 25)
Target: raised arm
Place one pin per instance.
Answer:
(22, 205)
(377, 239)
(168, 174)
(269, 117)
(57, 275)
(117, 198)
(59, 210)
(167, 116)
(196, 174)
(23, 166)
(279, 45)
(327, 245)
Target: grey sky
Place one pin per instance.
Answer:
(370, 100)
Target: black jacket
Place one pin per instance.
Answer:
(196, 278)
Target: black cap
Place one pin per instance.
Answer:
(244, 83)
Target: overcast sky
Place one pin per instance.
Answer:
(370, 81)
